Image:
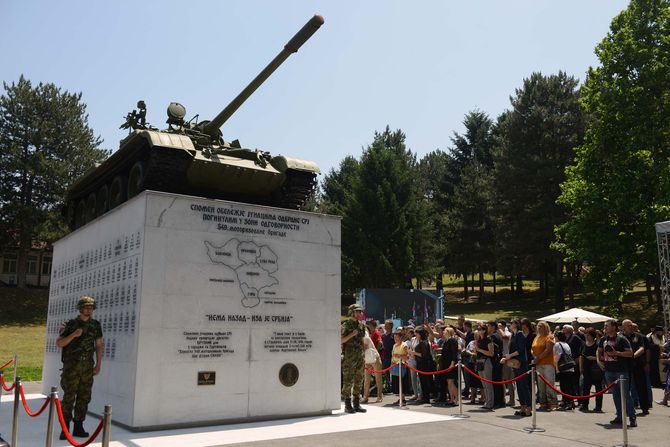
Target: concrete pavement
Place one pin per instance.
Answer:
(384, 424)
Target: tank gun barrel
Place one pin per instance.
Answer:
(212, 127)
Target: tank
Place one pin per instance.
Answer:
(191, 157)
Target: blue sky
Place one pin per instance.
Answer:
(415, 65)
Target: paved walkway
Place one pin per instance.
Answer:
(382, 424)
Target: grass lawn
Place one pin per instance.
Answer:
(27, 341)
(22, 331)
(531, 305)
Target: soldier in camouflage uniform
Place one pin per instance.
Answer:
(80, 338)
(353, 367)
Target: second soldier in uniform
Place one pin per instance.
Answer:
(353, 366)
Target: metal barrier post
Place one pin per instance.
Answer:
(52, 415)
(460, 414)
(15, 417)
(624, 415)
(106, 425)
(533, 399)
(3, 443)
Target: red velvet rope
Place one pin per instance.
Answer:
(430, 373)
(380, 371)
(64, 427)
(27, 408)
(502, 382)
(5, 387)
(9, 362)
(603, 391)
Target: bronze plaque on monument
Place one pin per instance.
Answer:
(288, 374)
(206, 377)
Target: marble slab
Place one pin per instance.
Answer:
(211, 310)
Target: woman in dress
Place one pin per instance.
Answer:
(591, 372)
(399, 353)
(448, 359)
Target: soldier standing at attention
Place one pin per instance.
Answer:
(79, 339)
(353, 367)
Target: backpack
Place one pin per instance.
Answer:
(565, 361)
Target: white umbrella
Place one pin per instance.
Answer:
(579, 314)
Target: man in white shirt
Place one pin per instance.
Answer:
(566, 374)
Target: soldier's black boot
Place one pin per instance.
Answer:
(79, 430)
(62, 433)
(357, 405)
(347, 406)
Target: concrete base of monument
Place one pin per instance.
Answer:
(219, 422)
(211, 310)
(32, 431)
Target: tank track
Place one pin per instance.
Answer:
(295, 191)
(165, 171)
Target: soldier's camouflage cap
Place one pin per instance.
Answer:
(354, 307)
(86, 301)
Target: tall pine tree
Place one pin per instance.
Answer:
(536, 141)
(45, 143)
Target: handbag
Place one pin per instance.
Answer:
(480, 364)
(513, 363)
(565, 361)
(371, 356)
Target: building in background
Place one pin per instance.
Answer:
(38, 269)
(406, 305)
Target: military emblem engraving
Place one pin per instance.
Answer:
(206, 377)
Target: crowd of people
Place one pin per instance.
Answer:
(583, 360)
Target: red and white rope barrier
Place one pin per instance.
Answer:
(68, 436)
(27, 408)
(9, 362)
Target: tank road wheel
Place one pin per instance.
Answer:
(136, 179)
(102, 201)
(117, 191)
(90, 207)
(80, 214)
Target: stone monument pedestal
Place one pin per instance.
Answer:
(212, 311)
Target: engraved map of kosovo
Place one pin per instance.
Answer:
(254, 266)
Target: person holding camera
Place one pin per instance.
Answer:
(79, 339)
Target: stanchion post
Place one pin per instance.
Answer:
(533, 399)
(106, 425)
(3, 443)
(15, 416)
(460, 394)
(624, 415)
(52, 416)
(16, 364)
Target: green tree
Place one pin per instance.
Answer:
(433, 188)
(619, 185)
(380, 224)
(535, 142)
(337, 186)
(465, 209)
(45, 143)
(335, 198)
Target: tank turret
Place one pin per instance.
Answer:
(193, 158)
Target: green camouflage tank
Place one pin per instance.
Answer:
(191, 157)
